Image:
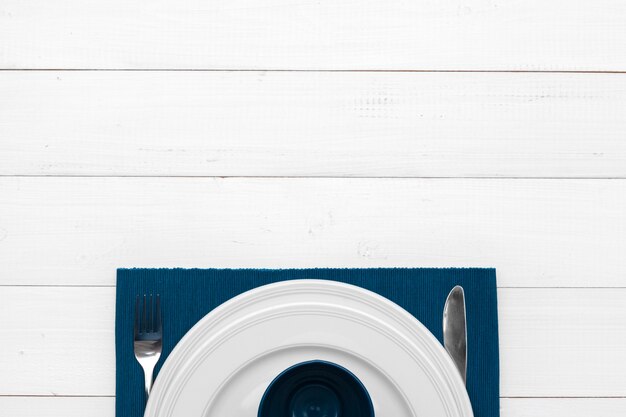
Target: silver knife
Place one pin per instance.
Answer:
(455, 329)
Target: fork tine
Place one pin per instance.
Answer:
(159, 323)
(151, 325)
(143, 316)
(136, 321)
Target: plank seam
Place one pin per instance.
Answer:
(306, 177)
(321, 70)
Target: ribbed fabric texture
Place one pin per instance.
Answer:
(189, 294)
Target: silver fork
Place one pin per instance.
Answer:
(148, 336)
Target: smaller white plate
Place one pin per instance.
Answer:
(225, 363)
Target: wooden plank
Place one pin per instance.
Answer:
(560, 407)
(537, 233)
(312, 124)
(554, 342)
(57, 406)
(510, 407)
(57, 341)
(562, 342)
(326, 34)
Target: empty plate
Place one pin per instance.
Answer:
(225, 364)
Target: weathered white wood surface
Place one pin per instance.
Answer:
(537, 233)
(325, 34)
(563, 407)
(510, 407)
(554, 342)
(62, 238)
(313, 124)
(58, 406)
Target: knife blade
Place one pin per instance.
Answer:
(455, 329)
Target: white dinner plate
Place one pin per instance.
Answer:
(225, 363)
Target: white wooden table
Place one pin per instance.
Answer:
(301, 133)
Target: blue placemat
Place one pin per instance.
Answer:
(188, 294)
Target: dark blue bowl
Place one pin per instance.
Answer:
(316, 389)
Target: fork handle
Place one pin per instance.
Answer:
(147, 373)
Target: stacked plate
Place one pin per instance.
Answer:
(227, 361)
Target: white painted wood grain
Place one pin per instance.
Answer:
(326, 34)
(509, 407)
(563, 407)
(544, 233)
(562, 342)
(58, 407)
(553, 342)
(57, 341)
(312, 124)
